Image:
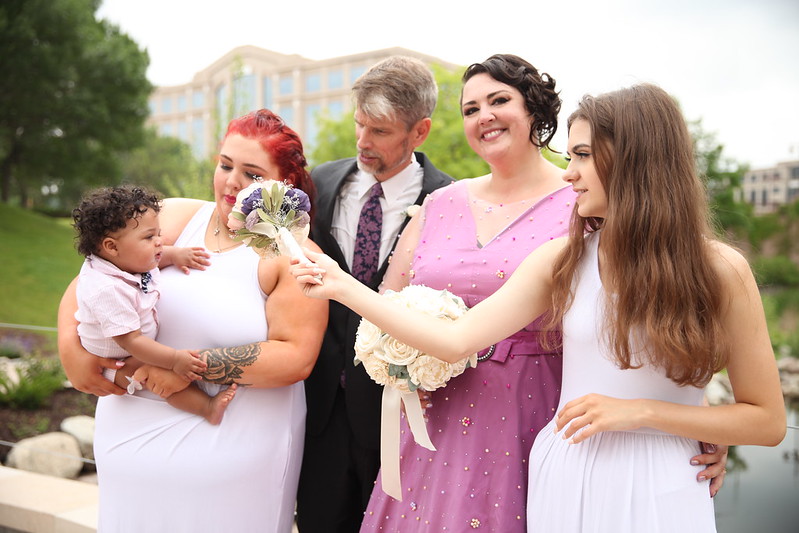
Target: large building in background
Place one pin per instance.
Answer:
(768, 188)
(247, 78)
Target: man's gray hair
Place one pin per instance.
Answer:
(397, 87)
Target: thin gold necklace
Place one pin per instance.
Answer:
(217, 230)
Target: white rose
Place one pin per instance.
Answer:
(366, 339)
(458, 367)
(377, 370)
(430, 373)
(396, 352)
(397, 383)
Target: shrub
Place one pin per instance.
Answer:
(36, 380)
(776, 271)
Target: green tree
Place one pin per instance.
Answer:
(167, 165)
(722, 176)
(72, 94)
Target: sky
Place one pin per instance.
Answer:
(734, 64)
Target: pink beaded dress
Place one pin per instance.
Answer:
(484, 421)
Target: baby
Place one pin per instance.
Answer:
(119, 233)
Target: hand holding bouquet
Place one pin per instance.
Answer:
(271, 217)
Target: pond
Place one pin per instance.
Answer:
(761, 492)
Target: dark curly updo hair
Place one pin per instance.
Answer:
(104, 211)
(538, 89)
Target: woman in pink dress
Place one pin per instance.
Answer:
(468, 239)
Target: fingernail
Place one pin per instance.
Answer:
(702, 478)
(694, 462)
(120, 364)
(710, 448)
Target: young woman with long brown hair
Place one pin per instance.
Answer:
(651, 305)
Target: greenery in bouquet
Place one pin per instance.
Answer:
(263, 208)
(395, 364)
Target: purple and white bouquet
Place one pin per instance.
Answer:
(271, 217)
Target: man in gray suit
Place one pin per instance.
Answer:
(394, 101)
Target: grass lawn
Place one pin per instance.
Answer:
(37, 262)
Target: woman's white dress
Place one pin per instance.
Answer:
(616, 481)
(162, 469)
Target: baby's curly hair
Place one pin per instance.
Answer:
(106, 210)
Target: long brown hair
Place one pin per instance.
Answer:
(655, 237)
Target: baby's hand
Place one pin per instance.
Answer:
(185, 258)
(188, 365)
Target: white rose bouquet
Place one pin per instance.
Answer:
(402, 369)
(395, 364)
(272, 218)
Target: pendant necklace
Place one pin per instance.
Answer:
(219, 248)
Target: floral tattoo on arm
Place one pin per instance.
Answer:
(225, 365)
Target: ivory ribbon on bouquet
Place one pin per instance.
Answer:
(390, 435)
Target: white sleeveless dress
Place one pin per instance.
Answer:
(616, 481)
(162, 469)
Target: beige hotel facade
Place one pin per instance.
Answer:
(248, 78)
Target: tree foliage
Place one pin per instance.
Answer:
(722, 176)
(73, 92)
(166, 165)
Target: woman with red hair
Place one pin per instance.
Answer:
(163, 469)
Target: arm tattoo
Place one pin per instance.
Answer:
(225, 365)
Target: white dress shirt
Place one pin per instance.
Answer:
(399, 192)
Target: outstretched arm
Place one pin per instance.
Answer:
(526, 293)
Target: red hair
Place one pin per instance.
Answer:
(281, 143)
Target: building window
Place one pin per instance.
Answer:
(198, 100)
(267, 99)
(311, 123)
(243, 94)
(335, 109)
(153, 107)
(198, 137)
(752, 197)
(166, 105)
(183, 131)
(764, 197)
(287, 114)
(313, 83)
(222, 104)
(286, 84)
(355, 73)
(182, 103)
(166, 130)
(335, 79)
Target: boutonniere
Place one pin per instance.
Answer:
(411, 210)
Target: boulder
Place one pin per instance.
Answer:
(54, 454)
(82, 428)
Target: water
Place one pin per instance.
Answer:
(761, 493)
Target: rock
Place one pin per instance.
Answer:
(82, 428)
(719, 391)
(788, 365)
(790, 385)
(54, 454)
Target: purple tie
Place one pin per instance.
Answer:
(367, 241)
